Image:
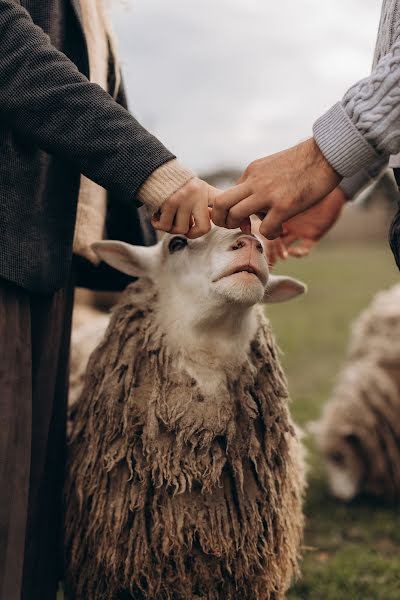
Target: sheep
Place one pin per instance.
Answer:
(358, 433)
(88, 327)
(185, 475)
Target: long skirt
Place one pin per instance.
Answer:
(34, 351)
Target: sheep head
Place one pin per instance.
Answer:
(340, 447)
(358, 433)
(220, 268)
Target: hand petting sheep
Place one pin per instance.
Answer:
(186, 475)
(359, 430)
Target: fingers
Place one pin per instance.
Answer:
(201, 215)
(242, 210)
(271, 227)
(186, 211)
(302, 249)
(275, 249)
(245, 226)
(183, 219)
(281, 250)
(213, 193)
(226, 200)
(271, 254)
(167, 214)
(202, 224)
(288, 239)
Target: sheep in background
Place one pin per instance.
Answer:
(359, 430)
(186, 475)
(88, 327)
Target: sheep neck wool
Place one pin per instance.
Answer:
(173, 495)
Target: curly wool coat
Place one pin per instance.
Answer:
(172, 494)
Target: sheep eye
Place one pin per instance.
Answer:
(177, 243)
(337, 457)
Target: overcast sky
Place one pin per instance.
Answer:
(222, 82)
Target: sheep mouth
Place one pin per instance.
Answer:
(251, 269)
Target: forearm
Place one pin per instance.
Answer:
(45, 99)
(365, 126)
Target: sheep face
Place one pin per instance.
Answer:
(358, 432)
(224, 267)
(344, 466)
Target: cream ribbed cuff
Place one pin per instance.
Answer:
(341, 143)
(162, 183)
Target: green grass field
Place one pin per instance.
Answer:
(352, 552)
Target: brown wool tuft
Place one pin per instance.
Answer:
(172, 494)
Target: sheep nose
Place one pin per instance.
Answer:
(245, 241)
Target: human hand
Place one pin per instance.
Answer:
(186, 211)
(277, 188)
(307, 228)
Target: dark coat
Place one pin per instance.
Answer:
(55, 125)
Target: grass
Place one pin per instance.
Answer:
(352, 552)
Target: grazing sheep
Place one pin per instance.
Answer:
(186, 475)
(359, 430)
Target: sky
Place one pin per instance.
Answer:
(223, 82)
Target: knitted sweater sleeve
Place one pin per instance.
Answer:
(354, 185)
(47, 101)
(365, 126)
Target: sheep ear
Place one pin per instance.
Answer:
(281, 289)
(136, 261)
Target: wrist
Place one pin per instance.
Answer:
(321, 177)
(318, 160)
(163, 183)
(342, 143)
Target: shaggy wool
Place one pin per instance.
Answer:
(172, 495)
(365, 404)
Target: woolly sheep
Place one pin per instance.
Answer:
(186, 475)
(359, 430)
(88, 327)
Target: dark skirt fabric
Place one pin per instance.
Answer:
(34, 351)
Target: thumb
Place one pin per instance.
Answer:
(271, 226)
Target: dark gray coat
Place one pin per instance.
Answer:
(54, 125)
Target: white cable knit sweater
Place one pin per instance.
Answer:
(359, 134)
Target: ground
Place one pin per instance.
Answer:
(352, 552)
